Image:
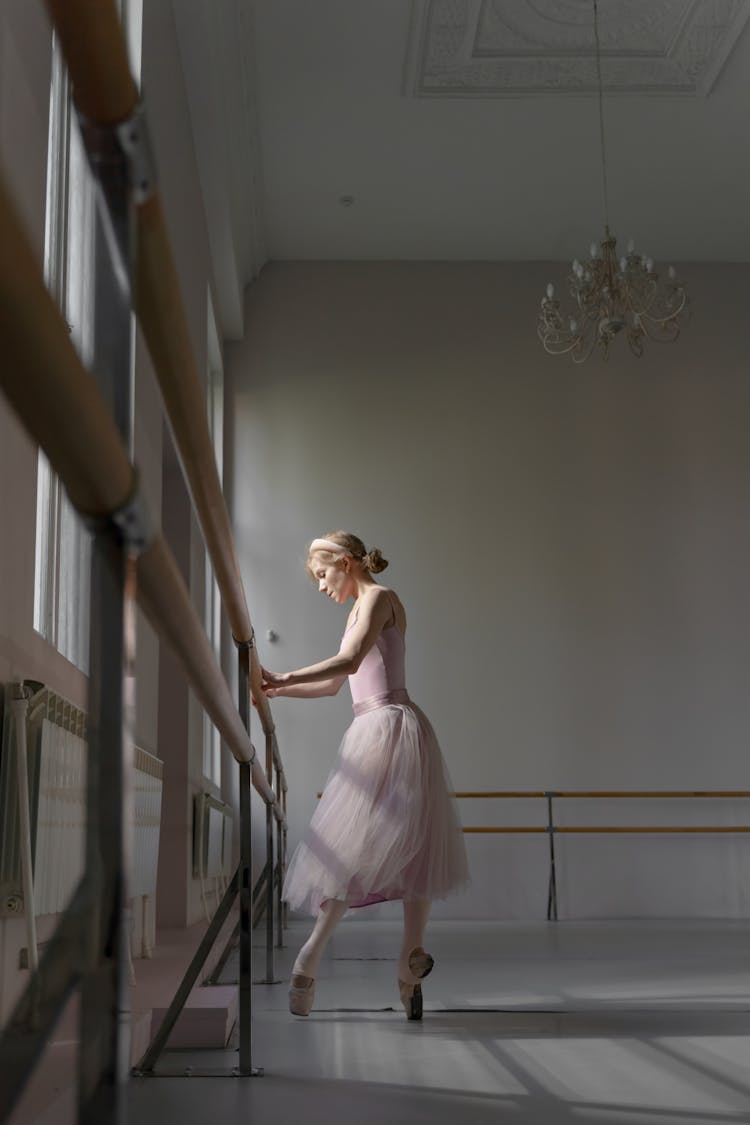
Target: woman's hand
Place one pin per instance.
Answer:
(273, 682)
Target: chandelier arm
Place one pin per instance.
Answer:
(673, 314)
(585, 353)
(559, 348)
(638, 294)
(635, 341)
(660, 331)
(554, 339)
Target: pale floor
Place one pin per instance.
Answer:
(531, 1024)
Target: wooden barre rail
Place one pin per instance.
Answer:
(648, 794)
(61, 407)
(95, 52)
(551, 830)
(93, 44)
(606, 793)
(531, 793)
(44, 381)
(557, 829)
(547, 829)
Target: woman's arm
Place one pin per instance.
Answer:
(303, 691)
(375, 612)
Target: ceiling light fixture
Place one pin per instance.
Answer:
(611, 296)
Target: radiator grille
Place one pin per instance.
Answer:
(147, 808)
(59, 846)
(57, 750)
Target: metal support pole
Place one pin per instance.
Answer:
(246, 876)
(234, 937)
(552, 888)
(27, 1032)
(147, 1063)
(269, 978)
(104, 1054)
(104, 1035)
(280, 871)
(283, 858)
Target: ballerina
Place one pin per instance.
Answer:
(386, 826)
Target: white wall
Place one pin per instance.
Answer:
(571, 545)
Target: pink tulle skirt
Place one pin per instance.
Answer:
(387, 825)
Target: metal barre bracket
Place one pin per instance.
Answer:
(132, 520)
(245, 644)
(129, 140)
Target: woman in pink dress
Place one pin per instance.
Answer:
(386, 826)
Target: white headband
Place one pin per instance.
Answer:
(328, 545)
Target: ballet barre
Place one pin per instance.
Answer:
(557, 829)
(45, 383)
(551, 829)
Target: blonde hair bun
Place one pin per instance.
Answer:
(374, 561)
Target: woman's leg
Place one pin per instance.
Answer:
(416, 913)
(308, 958)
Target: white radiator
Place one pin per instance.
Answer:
(61, 817)
(57, 751)
(147, 809)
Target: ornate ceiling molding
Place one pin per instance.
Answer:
(495, 48)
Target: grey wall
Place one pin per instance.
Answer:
(571, 544)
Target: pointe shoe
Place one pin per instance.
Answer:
(420, 963)
(301, 994)
(411, 998)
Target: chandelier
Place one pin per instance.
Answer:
(611, 295)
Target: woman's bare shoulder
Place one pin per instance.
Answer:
(399, 613)
(375, 597)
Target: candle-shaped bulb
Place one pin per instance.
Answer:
(550, 291)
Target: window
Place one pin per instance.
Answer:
(63, 545)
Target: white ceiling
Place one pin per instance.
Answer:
(468, 129)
